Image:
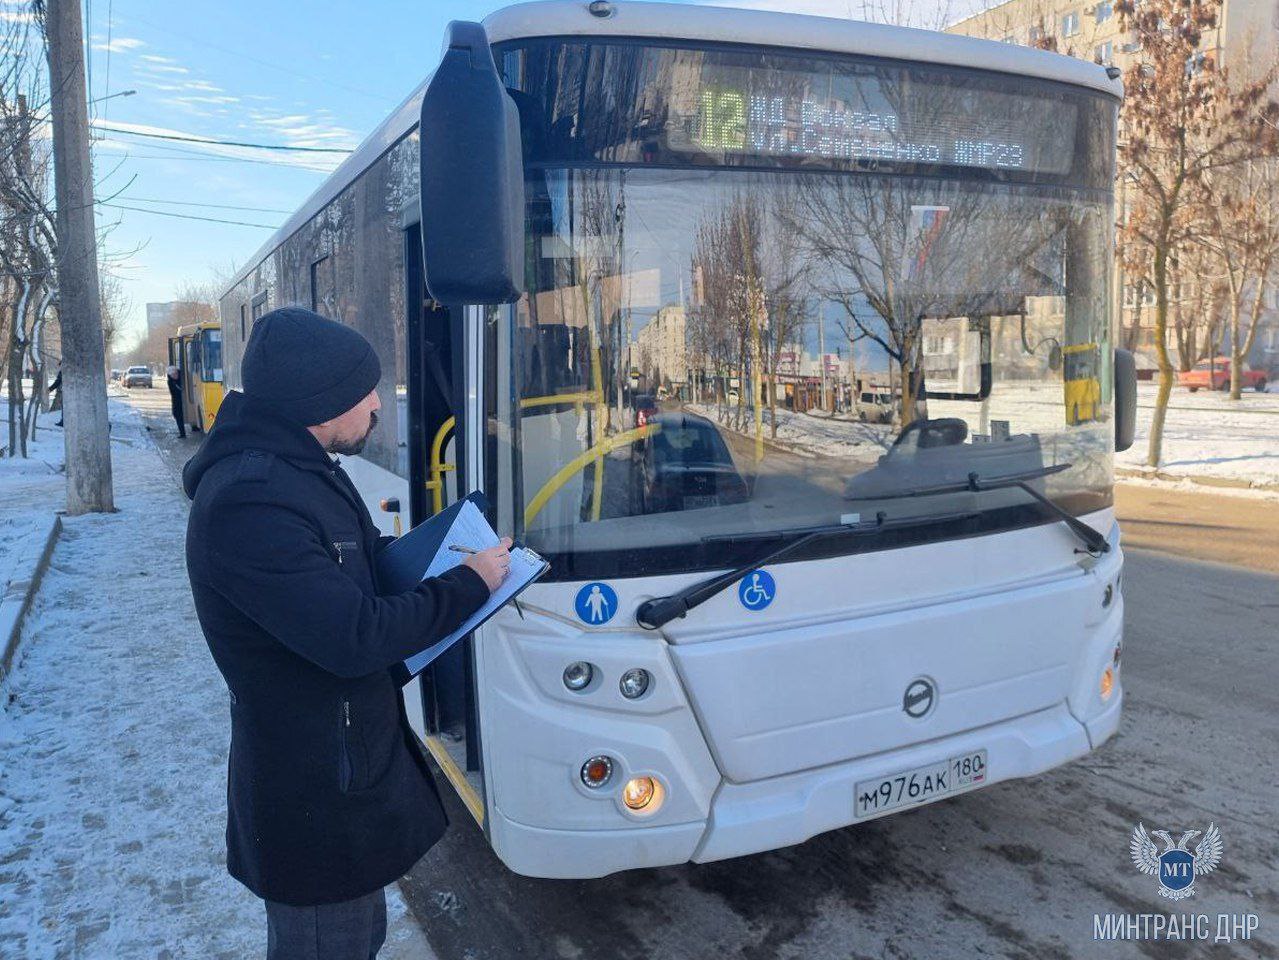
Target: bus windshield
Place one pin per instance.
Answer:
(769, 292)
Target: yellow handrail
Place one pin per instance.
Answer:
(436, 483)
(595, 454)
(438, 469)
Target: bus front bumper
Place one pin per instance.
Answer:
(780, 811)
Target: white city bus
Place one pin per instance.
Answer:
(755, 325)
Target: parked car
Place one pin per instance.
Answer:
(137, 377)
(116, 375)
(1214, 374)
(644, 407)
(683, 465)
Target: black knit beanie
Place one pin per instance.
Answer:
(306, 367)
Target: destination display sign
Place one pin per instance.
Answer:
(884, 116)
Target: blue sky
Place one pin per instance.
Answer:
(313, 74)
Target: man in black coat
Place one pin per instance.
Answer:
(329, 799)
(174, 380)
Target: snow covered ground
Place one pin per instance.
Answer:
(1209, 435)
(113, 740)
(811, 435)
(37, 482)
(1206, 434)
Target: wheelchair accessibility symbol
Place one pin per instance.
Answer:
(596, 603)
(756, 590)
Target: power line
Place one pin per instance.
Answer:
(216, 206)
(222, 143)
(154, 156)
(185, 154)
(190, 216)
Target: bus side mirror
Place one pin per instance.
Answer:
(472, 176)
(1125, 399)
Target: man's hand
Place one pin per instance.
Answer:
(492, 564)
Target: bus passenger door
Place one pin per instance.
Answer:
(447, 721)
(191, 381)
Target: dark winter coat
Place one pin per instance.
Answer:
(328, 797)
(175, 395)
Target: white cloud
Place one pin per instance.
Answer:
(304, 130)
(204, 99)
(202, 85)
(291, 120)
(120, 44)
(156, 58)
(163, 68)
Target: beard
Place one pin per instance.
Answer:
(349, 448)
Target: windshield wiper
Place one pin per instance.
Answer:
(659, 611)
(976, 483)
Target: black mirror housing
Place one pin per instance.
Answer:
(1125, 399)
(472, 176)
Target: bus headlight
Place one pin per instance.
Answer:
(634, 683)
(578, 675)
(597, 771)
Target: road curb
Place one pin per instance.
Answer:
(21, 590)
(1230, 482)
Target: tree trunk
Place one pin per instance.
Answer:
(1236, 346)
(84, 382)
(1155, 450)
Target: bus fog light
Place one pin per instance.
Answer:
(578, 675)
(1107, 683)
(634, 683)
(597, 771)
(638, 792)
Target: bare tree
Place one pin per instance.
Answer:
(1180, 121)
(27, 241)
(786, 280)
(116, 303)
(1242, 231)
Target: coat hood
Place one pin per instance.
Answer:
(244, 424)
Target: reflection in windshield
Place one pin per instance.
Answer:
(703, 355)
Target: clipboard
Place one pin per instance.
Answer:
(424, 552)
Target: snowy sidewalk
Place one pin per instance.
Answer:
(113, 741)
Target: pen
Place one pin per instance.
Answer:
(458, 548)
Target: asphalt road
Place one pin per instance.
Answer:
(1017, 870)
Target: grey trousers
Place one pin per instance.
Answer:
(350, 930)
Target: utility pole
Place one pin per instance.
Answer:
(821, 351)
(84, 382)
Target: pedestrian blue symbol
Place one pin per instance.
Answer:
(756, 590)
(596, 603)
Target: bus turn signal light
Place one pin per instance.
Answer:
(597, 771)
(1107, 683)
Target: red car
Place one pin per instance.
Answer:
(1215, 375)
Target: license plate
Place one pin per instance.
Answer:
(920, 785)
(700, 502)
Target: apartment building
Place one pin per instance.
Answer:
(1246, 39)
(1246, 36)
